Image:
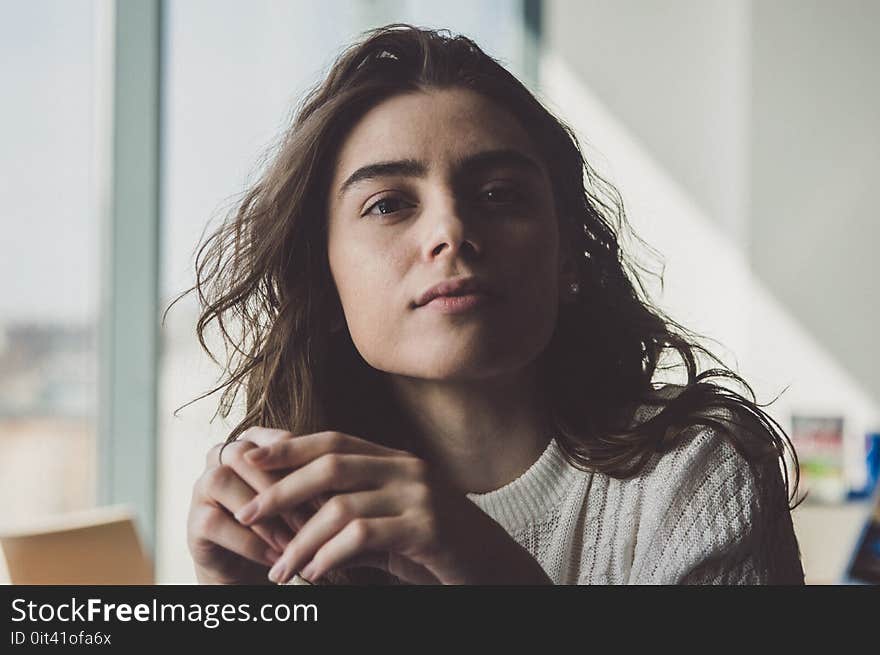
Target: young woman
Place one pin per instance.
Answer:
(450, 373)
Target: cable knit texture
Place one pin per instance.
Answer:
(694, 515)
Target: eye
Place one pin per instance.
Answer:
(501, 195)
(386, 205)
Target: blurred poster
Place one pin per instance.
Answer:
(818, 441)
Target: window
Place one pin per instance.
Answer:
(50, 263)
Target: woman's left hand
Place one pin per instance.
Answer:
(385, 508)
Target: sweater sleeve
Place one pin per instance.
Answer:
(713, 519)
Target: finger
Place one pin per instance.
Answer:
(234, 457)
(259, 481)
(264, 436)
(359, 538)
(329, 473)
(215, 526)
(222, 486)
(257, 436)
(396, 565)
(333, 516)
(298, 451)
(212, 457)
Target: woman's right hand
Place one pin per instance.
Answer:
(223, 550)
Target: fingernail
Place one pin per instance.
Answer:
(307, 572)
(275, 573)
(248, 512)
(257, 454)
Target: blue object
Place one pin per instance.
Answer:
(863, 567)
(872, 464)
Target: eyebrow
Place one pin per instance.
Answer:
(468, 166)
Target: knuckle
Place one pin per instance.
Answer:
(219, 479)
(335, 440)
(332, 465)
(418, 467)
(338, 507)
(360, 531)
(207, 522)
(234, 453)
(421, 495)
(218, 476)
(213, 455)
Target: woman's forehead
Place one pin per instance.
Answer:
(430, 126)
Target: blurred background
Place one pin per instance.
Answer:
(744, 136)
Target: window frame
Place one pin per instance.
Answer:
(128, 87)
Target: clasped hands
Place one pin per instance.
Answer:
(376, 506)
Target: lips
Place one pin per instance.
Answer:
(453, 287)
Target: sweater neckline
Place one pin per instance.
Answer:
(531, 496)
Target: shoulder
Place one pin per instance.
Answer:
(710, 514)
(704, 473)
(720, 455)
(708, 437)
(697, 450)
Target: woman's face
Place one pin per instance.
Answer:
(435, 185)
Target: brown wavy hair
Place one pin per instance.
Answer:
(264, 277)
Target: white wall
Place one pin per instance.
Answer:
(764, 117)
(814, 230)
(709, 285)
(689, 109)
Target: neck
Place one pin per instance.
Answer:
(480, 434)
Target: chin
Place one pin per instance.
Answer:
(457, 369)
(454, 359)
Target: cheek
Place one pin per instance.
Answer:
(535, 284)
(534, 257)
(370, 290)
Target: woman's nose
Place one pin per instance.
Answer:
(450, 234)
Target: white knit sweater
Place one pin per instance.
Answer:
(692, 516)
